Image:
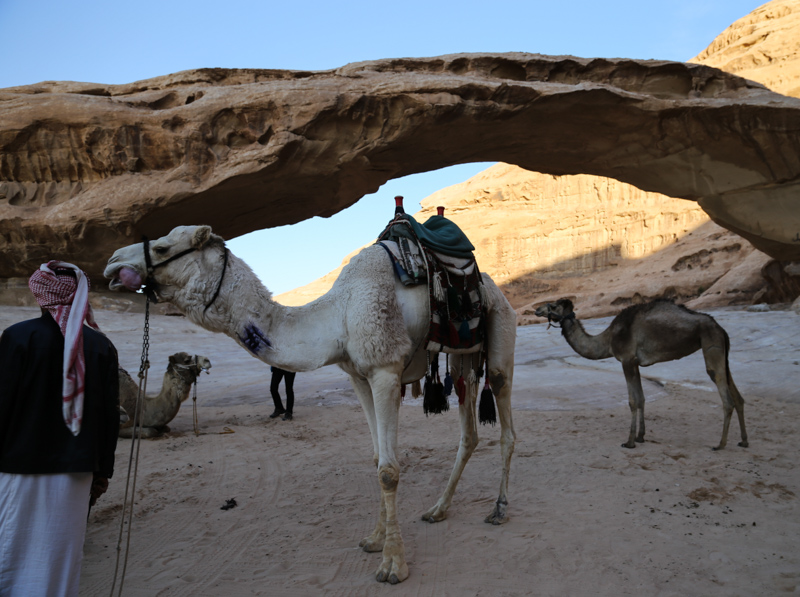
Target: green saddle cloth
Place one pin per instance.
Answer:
(441, 235)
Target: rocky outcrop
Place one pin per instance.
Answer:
(763, 46)
(85, 168)
(606, 244)
(603, 243)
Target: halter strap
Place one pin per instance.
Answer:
(150, 281)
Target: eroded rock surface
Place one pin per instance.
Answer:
(763, 46)
(86, 168)
(603, 243)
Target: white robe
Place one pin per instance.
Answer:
(42, 528)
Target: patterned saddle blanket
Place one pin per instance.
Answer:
(455, 287)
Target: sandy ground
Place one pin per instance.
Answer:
(587, 517)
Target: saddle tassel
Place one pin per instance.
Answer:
(438, 289)
(434, 401)
(448, 379)
(486, 410)
(461, 389)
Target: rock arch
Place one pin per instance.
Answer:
(85, 168)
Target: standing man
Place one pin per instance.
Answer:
(59, 420)
(277, 375)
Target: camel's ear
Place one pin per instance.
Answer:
(201, 236)
(172, 359)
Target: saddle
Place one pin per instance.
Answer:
(439, 254)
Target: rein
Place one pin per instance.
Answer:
(150, 282)
(133, 459)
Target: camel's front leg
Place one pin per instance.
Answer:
(385, 386)
(469, 441)
(374, 541)
(636, 403)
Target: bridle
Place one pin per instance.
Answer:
(556, 318)
(150, 283)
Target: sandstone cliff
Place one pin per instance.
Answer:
(606, 244)
(763, 46)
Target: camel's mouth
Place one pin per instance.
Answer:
(542, 312)
(123, 276)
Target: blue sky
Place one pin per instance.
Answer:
(114, 42)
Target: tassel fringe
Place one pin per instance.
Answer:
(433, 399)
(461, 389)
(416, 389)
(438, 289)
(448, 384)
(486, 409)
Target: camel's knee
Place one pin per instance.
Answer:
(470, 442)
(389, 477)
(497, 379)
(712, 375)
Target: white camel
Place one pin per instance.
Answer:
(157, 411)
(369, 324)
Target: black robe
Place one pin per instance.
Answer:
(33, 436)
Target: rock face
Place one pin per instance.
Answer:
(606, 244)
(764, 46)
(602, 243)
(86, 168)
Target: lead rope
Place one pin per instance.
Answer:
(194, 399)
(136, 438)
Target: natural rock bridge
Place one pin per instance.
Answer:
(86, 168)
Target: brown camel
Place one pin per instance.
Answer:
(655, 332)
(183, 370)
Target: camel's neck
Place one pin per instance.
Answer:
(586, 345)
(294, 338)
(175, 386)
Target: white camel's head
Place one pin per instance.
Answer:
(558, 311)
(173, 260)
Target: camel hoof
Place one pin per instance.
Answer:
(434, 515)
(392, 573)
(744, 445)
(640, 440)
(717, 448)
(495, 519)
(629, 445)
(371, 545)
(498, 515)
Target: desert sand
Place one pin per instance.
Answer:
(587, 517)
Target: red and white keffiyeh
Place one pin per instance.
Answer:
(67, 300)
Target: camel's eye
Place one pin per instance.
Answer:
(161, 250)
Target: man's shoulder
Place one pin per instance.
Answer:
(97, 340)
(25, 327)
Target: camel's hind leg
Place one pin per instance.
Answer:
(501, 385)
(468, 443)
(502, 336)
(636, 403)
(717, 368)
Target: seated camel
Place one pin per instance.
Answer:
(655, 332)
(182, 371)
